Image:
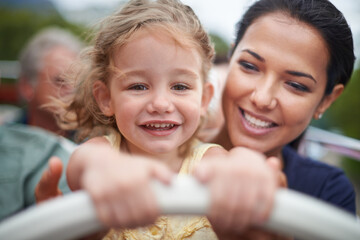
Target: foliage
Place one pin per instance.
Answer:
(18, 26)
(221, 47)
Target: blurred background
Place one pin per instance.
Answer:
(20, 19)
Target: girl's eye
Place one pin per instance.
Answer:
(138, 87)
(298, 86)
(248, 66)
(180, 87)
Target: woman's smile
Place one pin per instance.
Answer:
(255, 124)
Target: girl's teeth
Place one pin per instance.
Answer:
(256, 122)
(158, 125)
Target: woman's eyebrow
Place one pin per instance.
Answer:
(294, 73)
(301, 74)
(254, 54)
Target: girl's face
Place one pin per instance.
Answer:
(158, 99)
(276, 83)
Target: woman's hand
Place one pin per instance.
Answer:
(47, 187)
(275, 164)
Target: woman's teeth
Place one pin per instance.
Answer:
(257, 123)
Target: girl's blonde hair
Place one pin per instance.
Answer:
(79, 110)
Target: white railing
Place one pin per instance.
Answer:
(317, 142)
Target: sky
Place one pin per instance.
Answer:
(222, 23)
(221, 16)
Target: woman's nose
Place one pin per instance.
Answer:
(263, 97)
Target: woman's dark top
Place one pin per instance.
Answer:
(319, 180)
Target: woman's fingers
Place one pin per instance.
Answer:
(47, 187)
(275, 164)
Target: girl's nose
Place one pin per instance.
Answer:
(160, 103)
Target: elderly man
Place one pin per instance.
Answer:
(26, 149)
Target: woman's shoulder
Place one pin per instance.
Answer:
(294, 162)
(318, 179)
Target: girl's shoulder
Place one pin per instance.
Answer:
(209, 151)
(98, 140)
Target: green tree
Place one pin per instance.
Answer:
(221, 47)
(17, 26)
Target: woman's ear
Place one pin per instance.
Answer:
(328, 100)
(208, 93)
(103, 98)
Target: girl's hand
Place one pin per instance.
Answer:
(242, 189)
(119, 184)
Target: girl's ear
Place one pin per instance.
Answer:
(328, 100)
(208, 93)
(103, 98)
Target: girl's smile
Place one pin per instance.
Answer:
(160, 128)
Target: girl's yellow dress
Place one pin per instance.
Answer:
(171, 227)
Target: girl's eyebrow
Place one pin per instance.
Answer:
(185, 72)
(301, 74)
(254, 54)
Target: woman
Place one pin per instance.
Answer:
(291, 60)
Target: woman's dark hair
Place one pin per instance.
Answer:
(323, 16)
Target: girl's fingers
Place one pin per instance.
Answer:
(160, 172)
(122, 191)
(242, 189)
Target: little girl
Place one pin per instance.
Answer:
(141, 91)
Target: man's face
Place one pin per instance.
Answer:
(50, 83)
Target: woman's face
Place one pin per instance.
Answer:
(275, 84)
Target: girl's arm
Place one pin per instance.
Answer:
(87, 155)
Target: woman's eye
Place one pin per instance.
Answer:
(248, 66)
(138, 87)
(180, 87)
(298, 87)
